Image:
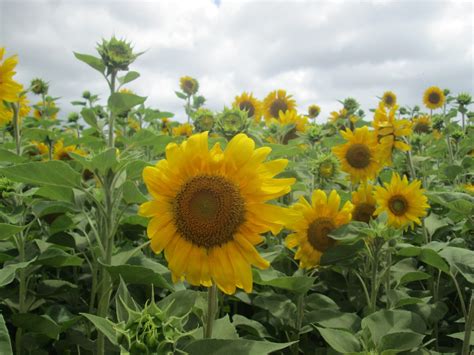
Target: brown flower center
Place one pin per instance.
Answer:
(64, 155)
(358, 156)
(398, 205)
(389, 99)
(434, 98)
(318, 232)
(363, 212)
(277, 106)
(247, 106)
(208, 210)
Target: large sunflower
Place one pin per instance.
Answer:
(404, 203)
(364, 203)
(390, 132)
(275, 102)
(359, 157)
(9, 88)
(246, 102)
(389, 99)
(209, 209)
(6, 113)
(313, 225)
(434, 98)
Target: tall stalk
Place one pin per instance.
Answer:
(111, 141)
(212, 308)
(20, 244)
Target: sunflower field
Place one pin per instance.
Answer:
(252, 230)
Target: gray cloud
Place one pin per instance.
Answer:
(319, 51)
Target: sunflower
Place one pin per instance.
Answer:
(390, 131)
(275, 102)
(314, 111)
(389, 99)
(468, 188)
(6, 113)
(246, 102)
(9, 88)
(298, 122)
(40, 148)
(434, 98)
(360, 155)
(133, 124)
(422, 124)
(335, 116)
(364, 203)
(61, 152)
(48, 109)
(209, 209)
(437, 134)
(184, 130)
(189, 85)
(326, 167)
(403, 202)
(126, 91)
(313, 225)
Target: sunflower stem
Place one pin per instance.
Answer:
(111, 142)
(16, 127)
(468, 328)
(212, 308)
(299, 321)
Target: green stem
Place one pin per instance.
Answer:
(16, 128)
(211, 311)
(468, 328)
(188, 107)
(461, 298)
(374, 281)
(387, 279)
(22, 291)
(111, 141)
(299, 321)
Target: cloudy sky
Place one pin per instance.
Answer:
(319, 51)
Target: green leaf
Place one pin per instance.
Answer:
(57, 193)
(89, 116)
(131, 193)
(39, 324)
(55, 173)
(139, 275)
(7, 273)
(452, 171)
(57, 257)
(431, 257)
(297, 284)
(9, 230)
(349, 232)
(400, 341)
(8, 156)
(460, 336)
(340, 253)
(180, 95)
(130, 76)
(104, 161)
(179, 303)
(233, 346)
(92, 61)
(340, 340)
(124, 302)
(251, 326)
(103, 325)
(330, 318)
(318, 301)
(120, 103)
(5, 343)
(461, 260)
(222, 329)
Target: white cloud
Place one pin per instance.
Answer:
(319, 51)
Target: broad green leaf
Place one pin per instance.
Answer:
(5, 343)
(10, 157)
(318, 301)
(460, 336)
(124, 302)
(340, 340)
(39, 324)
(330, 318)
(7, 272)
(341, 253)
(461, 260)
(251, 326)
(92, 61)
(131, 193)
(9, 230)
(105, 326)
(57, 257)
(179, 303)
(222, 329)
(57, 193)
(430, 257)
(129, 77)
(233, 346)
(400, 341)
(105, 161)
(55, 173)
(349, 232)
(120, 102)
(452, 171)
(297, 284)
(136, 274)
(89, 116)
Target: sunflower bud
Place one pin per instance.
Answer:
(39, 87)
(326, 167)
(232, 121)
(86, 95)
(464, 99)
(73, 117)
(204, 120)
(351, 105)
(116, 54)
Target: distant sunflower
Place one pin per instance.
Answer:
(291, 117)
(275, 102)
(434, 98)
(246, 102)
(389, 98)
(209, 209)
(364, 203)
(437, 134)
(61, 152)
(404, 203)
(189, 85)
(335, 116)
(183, 130)
(422, 124)
(314, 111)
(359, 157)
(9, 88)
(40, 148)
(390, 132)
(313, 225)
(48, 109)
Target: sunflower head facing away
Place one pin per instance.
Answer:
(422, 124)
(404, 203)
(204, 120)
(246, 102)
(434, 98)
(389, 99)
(232, 121)
(188, 85)
(364, 203)
(359, 157)
(314, 223)
(9, 88)
(314, 111)
(275, 102)
(209, 208)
